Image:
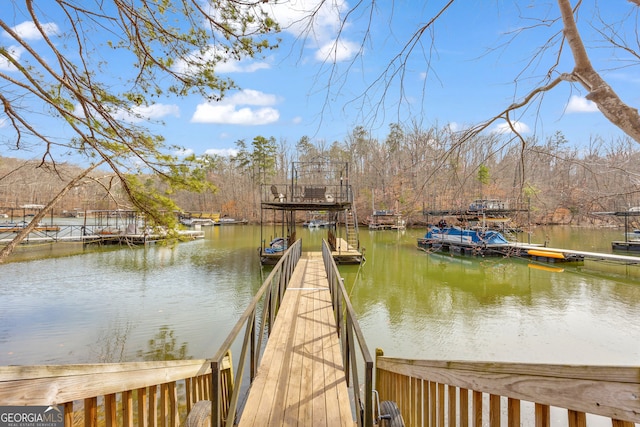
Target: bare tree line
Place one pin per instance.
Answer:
(410, 170)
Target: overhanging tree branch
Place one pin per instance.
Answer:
(6, 250)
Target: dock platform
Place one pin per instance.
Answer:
(624, 259)
(301, 380)
(345, 253)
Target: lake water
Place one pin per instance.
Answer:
(127, 304)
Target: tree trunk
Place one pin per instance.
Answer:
(609, 103)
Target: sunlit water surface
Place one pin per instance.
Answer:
(126, 304)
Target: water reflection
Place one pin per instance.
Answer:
(106, 306)
(111, 342)
(181, 301)
(439, 306)
(164, 346)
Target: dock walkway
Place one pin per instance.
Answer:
(301, 380)
(625, 259)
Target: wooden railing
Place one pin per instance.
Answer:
(145, 394)
(439, 393)
(350, 335)
(266, 301)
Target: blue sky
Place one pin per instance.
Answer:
(462, 73)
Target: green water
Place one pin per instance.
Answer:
(174, 302)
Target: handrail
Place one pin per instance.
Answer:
(151, 393)
(349, 331)
(270, 293)
(418, 387)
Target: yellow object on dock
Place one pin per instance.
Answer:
(546, 254)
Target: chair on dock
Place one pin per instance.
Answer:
(277, 195)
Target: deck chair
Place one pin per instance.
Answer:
(276, 194)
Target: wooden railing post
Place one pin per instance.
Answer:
(513, 411)
(142, 407)
(216, 395)
(153, 406)
(91, 412)
(543, 415)
(477, 408)
(110, 410)
(577, 419)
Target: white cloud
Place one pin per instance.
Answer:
(224, 152)
(184, 152)
(578, 104)
(297, 120)
(137, 114)
(319, 23)
(151, 112)
(244, 66)
(339, 51)
(230, 114)
(504, 128)
(28, 30)
(318, 18)
(236, 109)
(250, 97)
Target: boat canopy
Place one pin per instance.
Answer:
(489, 237)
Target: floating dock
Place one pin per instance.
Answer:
(522, 250)
(556, 253)
(93, 234)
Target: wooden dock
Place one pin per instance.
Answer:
(301, 380)
(623, 259)
(345, 253)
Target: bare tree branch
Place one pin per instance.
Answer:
(609, 103)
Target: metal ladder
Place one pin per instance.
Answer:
(351, 225)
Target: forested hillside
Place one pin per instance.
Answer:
(409, 170)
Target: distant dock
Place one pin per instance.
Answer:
(89, 234)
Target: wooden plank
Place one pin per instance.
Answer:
(477, 408)
(275, 356)
(300, 380)
(305, 352)
(332, 368)
(127, 408)
(45, 384)
(440, 405)
(91, 412)
(569, 387)
(153, 406)
(336, 398)
(292, 410)
(542, 415)
(452, 405)
(464, 407)
(577, 419)
(323, 412)
(143, 410)
(110, 410)
(494, 410)
(513, 413)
